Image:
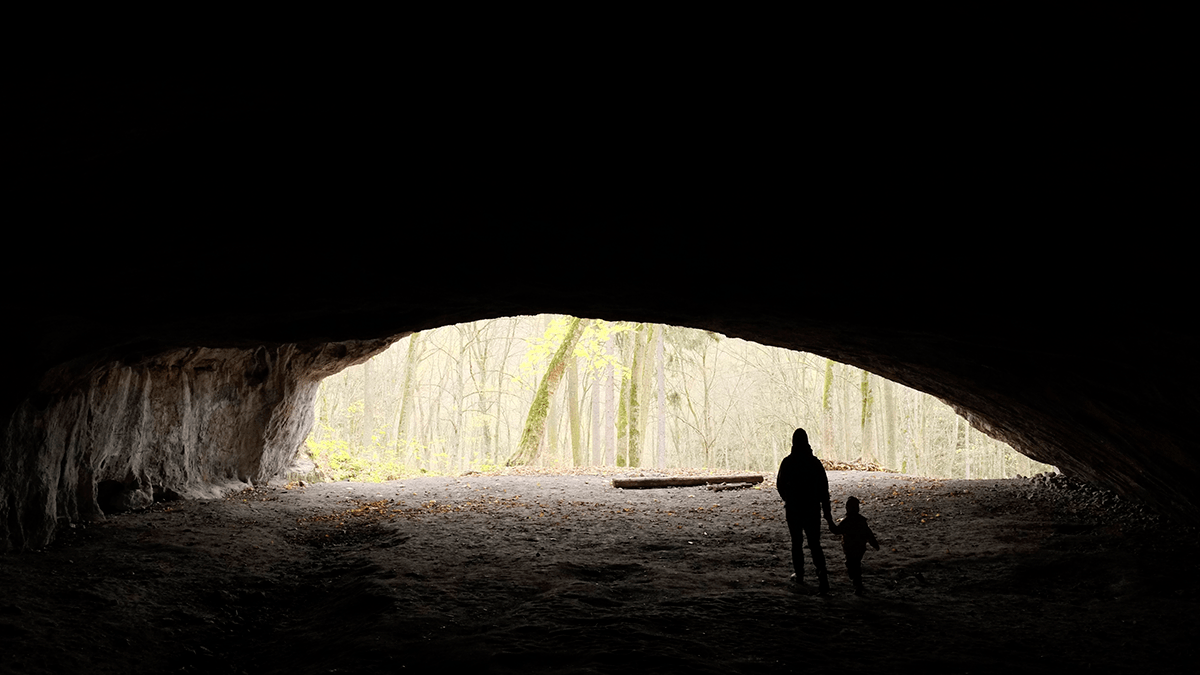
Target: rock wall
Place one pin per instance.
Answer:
(100, 437)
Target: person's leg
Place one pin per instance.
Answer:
(812, 529)
(797, 531)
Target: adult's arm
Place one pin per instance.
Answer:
(824, 490)
(783, 480)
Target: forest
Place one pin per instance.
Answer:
(566, 392)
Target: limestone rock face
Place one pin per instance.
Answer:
(184, 422)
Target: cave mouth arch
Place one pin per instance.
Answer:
(232, 377)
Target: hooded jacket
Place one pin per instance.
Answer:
(802, 480)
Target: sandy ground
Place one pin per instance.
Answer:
(566, 574)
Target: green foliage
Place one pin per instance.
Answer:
(591, 348)
(319, 449)
(337, 460)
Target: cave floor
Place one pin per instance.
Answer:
(566, 574)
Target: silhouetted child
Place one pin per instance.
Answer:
(855, 537)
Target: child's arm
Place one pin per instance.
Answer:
(871, 539)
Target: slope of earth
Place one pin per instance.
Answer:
(566, 574)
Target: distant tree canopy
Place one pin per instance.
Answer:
(562, 391)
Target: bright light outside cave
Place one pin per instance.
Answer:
(561, 392)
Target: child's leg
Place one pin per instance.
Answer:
(854, 567)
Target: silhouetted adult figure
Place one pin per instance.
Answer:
(804, 487)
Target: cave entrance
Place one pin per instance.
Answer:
(561, 392)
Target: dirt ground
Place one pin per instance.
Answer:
(566, 574)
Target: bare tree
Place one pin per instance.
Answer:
(444, 400)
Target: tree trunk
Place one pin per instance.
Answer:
(827, 408)
(966, 448)
(954, 451)
(578, 455)
(636, 393)
(479, 351)
(535, 421)
(433, 424)
(500, 379)
(368, 408)
(551, 435)
(406, 390)
(922, 435)
(868, 451)
(456, 451)
(889, 421)
(610, 422)
(662, 403)
(645, 396)
(427, 424)
(848, 407)
(709, 441)
(623, 423)
(596, 446)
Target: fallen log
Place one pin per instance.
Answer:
(681, 481)
(729, 486)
